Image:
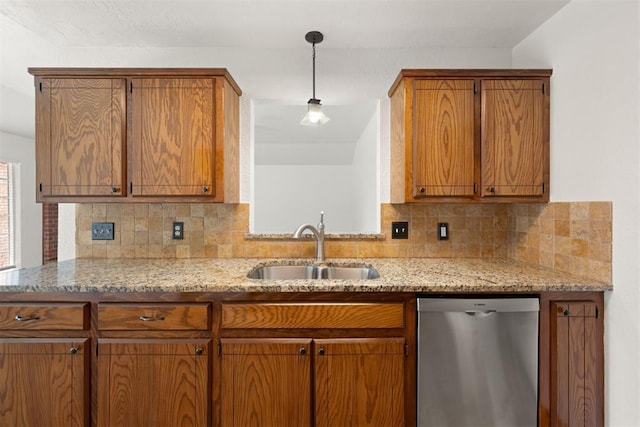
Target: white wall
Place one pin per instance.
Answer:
(365, 179)
(28, 238)
(593, 48)
(322, 188)
(66, 231)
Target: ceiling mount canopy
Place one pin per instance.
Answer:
(314, 115)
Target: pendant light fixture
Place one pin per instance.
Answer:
(314, 115)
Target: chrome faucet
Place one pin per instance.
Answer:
(318, 233)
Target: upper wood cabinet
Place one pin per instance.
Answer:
(470, 135)
(136, 135)
(80, 137)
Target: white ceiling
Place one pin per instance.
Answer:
(282, 24)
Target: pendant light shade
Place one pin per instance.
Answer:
(314, 115)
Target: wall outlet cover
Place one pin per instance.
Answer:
(177, 232)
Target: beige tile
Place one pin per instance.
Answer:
(197, 210)
(580, 266)
(155, 210)
(579, 210)
(600, 211)
(580, 248)
(114, 210)
(169, 210)
(183, 210)
(546, 225)
(183, 251)
(600, 271)
(561, 211)
(562, 245)
(141, 224)
(99, 211)
(141, 210)
(546, 259)
(169, 251)
(127, 251)
(562, 263)
(546, 242)
(600, 251)
(84, 210)
(141, 238)
(600, 231)
(155, 251)
(114, 251)
(83, 251)
(579, 228)
(562, 228)
(211, 251)
(99, 251)
(128, 209)
(197, 251)
(141, 251)
(127, 238)
(127, 224)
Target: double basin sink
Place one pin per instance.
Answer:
(311, 271)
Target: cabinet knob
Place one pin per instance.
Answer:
(302, 351)
(566, 312)
(115, 190)
(73, 350)
(321, 351)
(205, 189)
(199, 351)
(492, 190)
(422, 190)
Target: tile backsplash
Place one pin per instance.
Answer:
(573, 237)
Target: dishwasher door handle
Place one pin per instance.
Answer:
(480, 313)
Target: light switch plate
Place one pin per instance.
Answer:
(102, 231)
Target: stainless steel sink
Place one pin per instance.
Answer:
(293, 272)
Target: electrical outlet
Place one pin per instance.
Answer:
(400, 230)
(102, 231)
(177, 233)
(443, 231)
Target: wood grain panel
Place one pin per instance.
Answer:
(513, 137)
(173, 137)
(39, 316)
(227, 160)
(312, 315)
(84, 137)
(574, 365)
(266, 382)
(153, 383)
(131, 317)
(443, 139)
(398, 128)
(42, 383)
(359, 382)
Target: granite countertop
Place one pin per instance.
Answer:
(229, 275)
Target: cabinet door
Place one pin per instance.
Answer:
(80, 137)
(443, 149)
(266, 382)
(359, 382)
(44, 382)
(153, 382)
(173, 137)
(574, 365)
(514, 137)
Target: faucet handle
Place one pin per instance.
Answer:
(321, 223)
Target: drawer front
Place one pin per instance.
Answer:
(313, 315)
(144, 317)
(55, 316)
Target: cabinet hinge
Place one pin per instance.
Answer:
(40, 86)
(543, 188)
(97, 350)
(40, 187)
(543, 88)
(131, 187)
(219, 347)
(406, 350)
(596, 311)
(475, 88)
(475, 188)
(130, 87)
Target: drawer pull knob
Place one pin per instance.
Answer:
(566, 312)
(151, 319)
(26, 319)
(199, 351)
(73, 350)
(302, 351)
(321, 351)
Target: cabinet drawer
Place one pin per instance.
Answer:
(59, 316)
(312, 315)
(141, 317)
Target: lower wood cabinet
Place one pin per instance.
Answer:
(306, 382)
(359, 382)
(571, 359)
(44, 382)
(147, 382)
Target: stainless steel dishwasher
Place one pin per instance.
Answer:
(477, 362)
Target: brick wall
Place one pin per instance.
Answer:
(49, 232)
